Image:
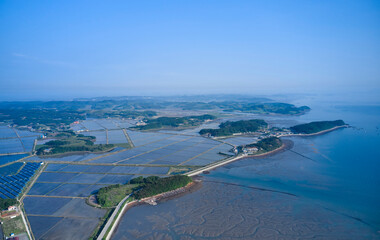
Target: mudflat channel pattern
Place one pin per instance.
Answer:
(223, 211)
(56, 206)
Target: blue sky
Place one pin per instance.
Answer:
(64, 49)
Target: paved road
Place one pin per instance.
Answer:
(110, 220)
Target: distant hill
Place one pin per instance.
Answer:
(314, 127)
(229, 128)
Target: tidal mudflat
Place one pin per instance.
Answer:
(224, 211)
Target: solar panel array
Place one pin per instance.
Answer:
(12, 185)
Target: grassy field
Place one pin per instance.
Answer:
(67, 142)
(14, 225)
(111, 196)
(123, 145)
(180, 170)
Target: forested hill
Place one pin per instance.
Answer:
(314, 127)
(174, 122)
(229, 128)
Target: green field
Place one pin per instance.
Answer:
(110, 196)
(14, 225)
(67, 142)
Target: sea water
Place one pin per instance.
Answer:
(331, 182)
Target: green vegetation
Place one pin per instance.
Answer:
(13, 225)
(269, 144)
(229, 128)
(174, 122)
(141, 187)
(175, 170)
(120, 114)
(314, 127)
(264, 108)
(161, 185)
(264, 145)
(5, 203)
(41, 119)
(68, 142)
(111, 195)
(58, 115)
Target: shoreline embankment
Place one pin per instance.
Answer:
(314, 134)
(191, 187)
(196, 184)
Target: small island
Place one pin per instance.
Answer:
(69, 142)
(140, 188)
(266, 108)
(229, 128)
(263, 146)
(317, 127)
(173, 122)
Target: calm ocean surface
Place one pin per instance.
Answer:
(335, 178)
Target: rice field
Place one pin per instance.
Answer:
(237, 141)
(11, 158)
(61, 218)
(16, 141)
(60, 191)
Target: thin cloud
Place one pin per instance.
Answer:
(43, 61)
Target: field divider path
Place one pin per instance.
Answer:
(14, 153)
(74, 183)
(83, 126)
(61, 184)
(180, 150)
(18, 136)
(104, 155)
(104, 128)
(105, 164)
(34, 145)
(40, 215)
(128, 138)
(19, 160)
(7, 138)
(44, 196)
(200, 154)
(28, 227)
(155, 149)
(167, 134)
(26, 223)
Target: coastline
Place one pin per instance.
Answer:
(189, 188)
(285, 145)
(196, 184)
(315, 134)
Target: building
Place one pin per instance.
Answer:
(12, 208)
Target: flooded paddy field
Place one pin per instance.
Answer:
(237, 141)
(61, 218)
(11, 158)
(68, 180)
(16, 141)
(71, 179)
(11, 168)
(102, 124)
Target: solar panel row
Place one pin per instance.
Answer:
(11, 186)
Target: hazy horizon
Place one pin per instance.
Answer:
(64, 50)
